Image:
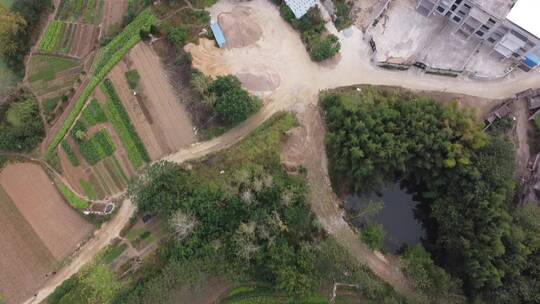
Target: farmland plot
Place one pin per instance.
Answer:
(92, 156)
(85, 11)
(73, 39)
(52, 79)
(158, 116)
(59, 226)
(38, 229)
(25, 259)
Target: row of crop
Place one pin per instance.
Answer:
(119, 118)
(115, 51)
(70, 154)
(52, 36)
(93, 114)
(97, 147)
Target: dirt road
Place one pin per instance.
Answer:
(325, 203)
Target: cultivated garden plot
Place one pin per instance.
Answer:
(93, 156)
(83, 11)
(73, 39)
(158, 116)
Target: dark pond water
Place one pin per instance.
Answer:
(397, 217)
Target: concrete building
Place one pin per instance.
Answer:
(510, 28)
(300, 7)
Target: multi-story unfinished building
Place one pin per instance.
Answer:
(511, 28)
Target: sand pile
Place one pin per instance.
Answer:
(259, 82)
(239, 28)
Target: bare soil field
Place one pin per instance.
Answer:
(59, 226)
(113, 12)
(25, 259)
(159, 117)
(83, 40)
(238, 28)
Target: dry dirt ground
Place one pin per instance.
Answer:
(159, 117)
(25, 259)
(84, 40)
(239, 28)
(38, 229)
(58, 225)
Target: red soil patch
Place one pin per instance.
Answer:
(59, 226)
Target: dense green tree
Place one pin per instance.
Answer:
(464, 177)
(233, 104)
(11, 25)
(22, 127)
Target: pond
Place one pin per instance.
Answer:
(397, 217)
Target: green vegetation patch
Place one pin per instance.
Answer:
(70, 153)
(113, 252)
(119, 118)
(53, 36)
(46, 68)
(343, 14)
(98, 147)
(75, 201)
(88, 189)
(70, 9)
(93, 114)
(320, 44)
(108, 57)
(132, 77)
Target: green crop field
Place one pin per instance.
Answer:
(53, 36)
(46, 68)
(70, 154)
(70, 197)
(89, 11)
(119, 118)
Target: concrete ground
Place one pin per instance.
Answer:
(405, 36)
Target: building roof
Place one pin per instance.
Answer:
(525, 15)
(499, 8)
(218, 34)
(300, 7)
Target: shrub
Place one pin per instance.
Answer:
(132, 77)
(233, 103)
(373, 236)
(177, 35)
(323, 48)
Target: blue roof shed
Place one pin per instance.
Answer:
(218, 34)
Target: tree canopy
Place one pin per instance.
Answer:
(11, 24)
(21, 128)
(463, 176)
